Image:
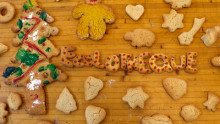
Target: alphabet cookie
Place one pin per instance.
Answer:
(14, 101)
(92, 86)
(67, 53)
(156, 119)
(96, 60)
(212, 101)
(94, 115)
(187, 37)
(142, 62)
(216, 61)
(3, 48)
(93, 17)
(135, 97)
(173, 21)
(140, 37)
(190, 113)
(132, 64)
(10, 12)
(191, 62)
(212, 34)
(112, 63)
(124, 57)
(179, 4)
(182, 63)
(175, 87)
(135, 12)
(3, 113)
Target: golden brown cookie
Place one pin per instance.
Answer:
(190, 113)
(3, 113)
(10, 12)
(212, 101)
(179, 4)
(156, 119)
(135, 12)
(94, 115)
(212, 34)
(14, 101)
(216, 61)
(45, 122)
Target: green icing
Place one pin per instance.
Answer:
(46, 82)
(28, 4)
(43, 15)
(20, 24)
(18, 72)
(41, 69)
(41, 40)
(26, 57)
(20, 35)
(48, 49)
(54, 73)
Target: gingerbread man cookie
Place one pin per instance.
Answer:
(93, 17)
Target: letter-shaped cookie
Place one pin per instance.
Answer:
(67, 53)
(112, 63)
(143, 63)
(124, 57)
(96, 60)
(132, 64)
(182, 63)
(190, 62)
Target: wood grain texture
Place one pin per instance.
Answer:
(115, 84)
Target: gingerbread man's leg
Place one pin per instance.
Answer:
(97, 29)
(83, 28)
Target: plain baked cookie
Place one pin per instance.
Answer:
(179, 4)
(135, 12)
(14, 101)
(66, 103)
(135, 97)
(189, 113)
(92, 86)
(45, 122)
(175, 87)
(140, 37)
(212, 34)
(3, 113)
(156, 119)
(212, 101)
(10, 12)
(216, 61)
(3, 48)
(94, 115)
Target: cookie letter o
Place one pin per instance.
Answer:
(112, 63)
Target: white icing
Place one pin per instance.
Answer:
(34, 84)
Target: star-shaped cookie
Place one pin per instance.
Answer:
(135, 97)
(173, 20)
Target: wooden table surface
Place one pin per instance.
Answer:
(115, 84)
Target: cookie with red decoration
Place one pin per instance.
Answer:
(112, 63)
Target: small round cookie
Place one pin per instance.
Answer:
(10, 12)
(14, 101)
(189, 113)
(112, 63)
(45, 122)
(216, 61)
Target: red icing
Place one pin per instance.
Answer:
(36, 48)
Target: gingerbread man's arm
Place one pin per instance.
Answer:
(78, 11)
(109, 16)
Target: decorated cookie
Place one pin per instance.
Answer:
(67, 53)
(94, 115)
(124, 57)
(88, 60)
(92, 86)
(156, 119)
(166, 66)
(10, 12)
(3, 48)
(212, 101)
(132, 64)
(216, 61)
(112, 63)
(182, 63)
(187, 37)
(96, 60)
(45, 122)
(14, 101)
(179, 4)
(143, 63)
(3, 113)
(173, 21)
(135, 97)
(190, 113)
(140, 37)
(135, 12)
(211, 35)
(191, 62)
(93, 17)
(175, 87)
(66, 103)
(78, 61)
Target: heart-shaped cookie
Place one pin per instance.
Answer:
(135, 12)
(94, 115)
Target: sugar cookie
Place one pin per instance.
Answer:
(135, 12)
(191, 62)
(3, 113)
(216, 61)
(67, 53)
(94, 115)
(143, 63)
(10, 12)
(212, 101)
(3, 48)
(182, 63)
(212, 34)
(132, 64)
(112, 63)
(78, 61)
(14, 101)
(124, 57)
(88, 60)
(96, 59)
(156, 119)
(190, 113)
(179, 4)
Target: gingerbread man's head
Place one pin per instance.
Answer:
(93, 1)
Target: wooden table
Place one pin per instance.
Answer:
(115, 84)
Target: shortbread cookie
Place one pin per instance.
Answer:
(140, 37)
(212, 101)
(10, 12)
(189, 113)
(45, 122)
(173, 21)
(156, 119)
(135, 12)
(3, 113)
(132, 64)
(94, 115)
(182, 63)
(3, 48)
(66, 103)
(179, 4)
(212, 34)
(187, 37)
(14, 101)
(124, 57)
(191, 62)
(92, 86)
(67, 53)
(175, 87)
(78, 61)
(216, 61)
(135, 97)
(88, 60)
(143, 63)
(93, 18)
(112, 63)
(96, 59)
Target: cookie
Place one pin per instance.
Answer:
(135, 12)
(112, 63)
(135, 97)
(132, 64)
(67, 53)
(191, 62)
(182, 63)
(175, 87)
(66, 103)
(190, 113)
(123, 58)
(88, 60)
(187, 37)
(3, 48)
(92, 86)
(179, 4)
(216, 61)
(10, 12)
(140, 37)
(143, 63)
(173, 21)
(94, 115)
(14, 101)
(45, 122)
(212, 34)
(159, 69)
(96, 60)
(212, 101)
(78, 61)
(156, 119)
(93, 18)
(3, 113)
